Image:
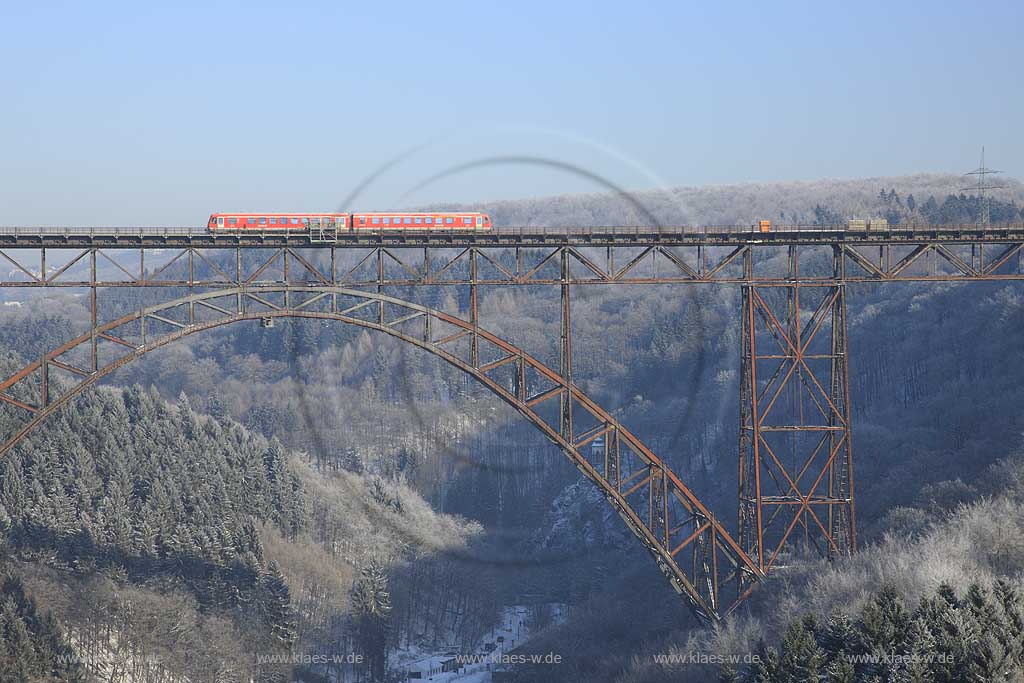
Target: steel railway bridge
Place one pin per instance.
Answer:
(795, 454)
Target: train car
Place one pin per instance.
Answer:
(865, 224)
(401, 220)
(337, 222)
(277, 222)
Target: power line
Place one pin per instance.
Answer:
(982, 172)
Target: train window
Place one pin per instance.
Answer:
(387, 221)
(295, 221)
(417, 221)
(376, 221)
(408, 220)
(428, 220)
(449, 221)
(263, 220)
(305, 220)
(273, 220)
(362, 220)
(232, 221)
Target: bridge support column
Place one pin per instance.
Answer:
(795, 448)
(474, 342)
(565, 351)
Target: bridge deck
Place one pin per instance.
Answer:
(157, 237)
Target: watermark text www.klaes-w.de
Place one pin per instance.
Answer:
(306, 658)
(708, 658)
(900, 658)
(549, 658)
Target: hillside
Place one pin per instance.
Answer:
(168, 542)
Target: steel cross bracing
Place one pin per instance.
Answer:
(795, 445)
(795, 448)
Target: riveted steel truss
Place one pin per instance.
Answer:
(950, 256)
(795, 445)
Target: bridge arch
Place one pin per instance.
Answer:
(669, 520)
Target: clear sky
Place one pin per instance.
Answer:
(125, 113)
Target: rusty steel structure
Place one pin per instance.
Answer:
(795, 399)
(795, 455)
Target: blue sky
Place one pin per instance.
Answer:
(123, 113)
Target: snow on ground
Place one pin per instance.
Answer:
(475, 667)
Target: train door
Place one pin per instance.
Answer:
(220, 222)
(479, 222)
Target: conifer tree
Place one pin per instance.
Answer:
(840, 669)
(802, 659)
(921, 649)
(1009, 601)
(277, 605)
(371, 607)
(990, 658)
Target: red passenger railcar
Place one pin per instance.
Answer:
(276, 222)
(344, 222)
(398, 220)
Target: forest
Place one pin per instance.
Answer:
(312, 488)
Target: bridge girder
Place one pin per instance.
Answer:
(437, 263)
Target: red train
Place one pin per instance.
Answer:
(317, 222)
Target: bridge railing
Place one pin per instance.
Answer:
(549, 231)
